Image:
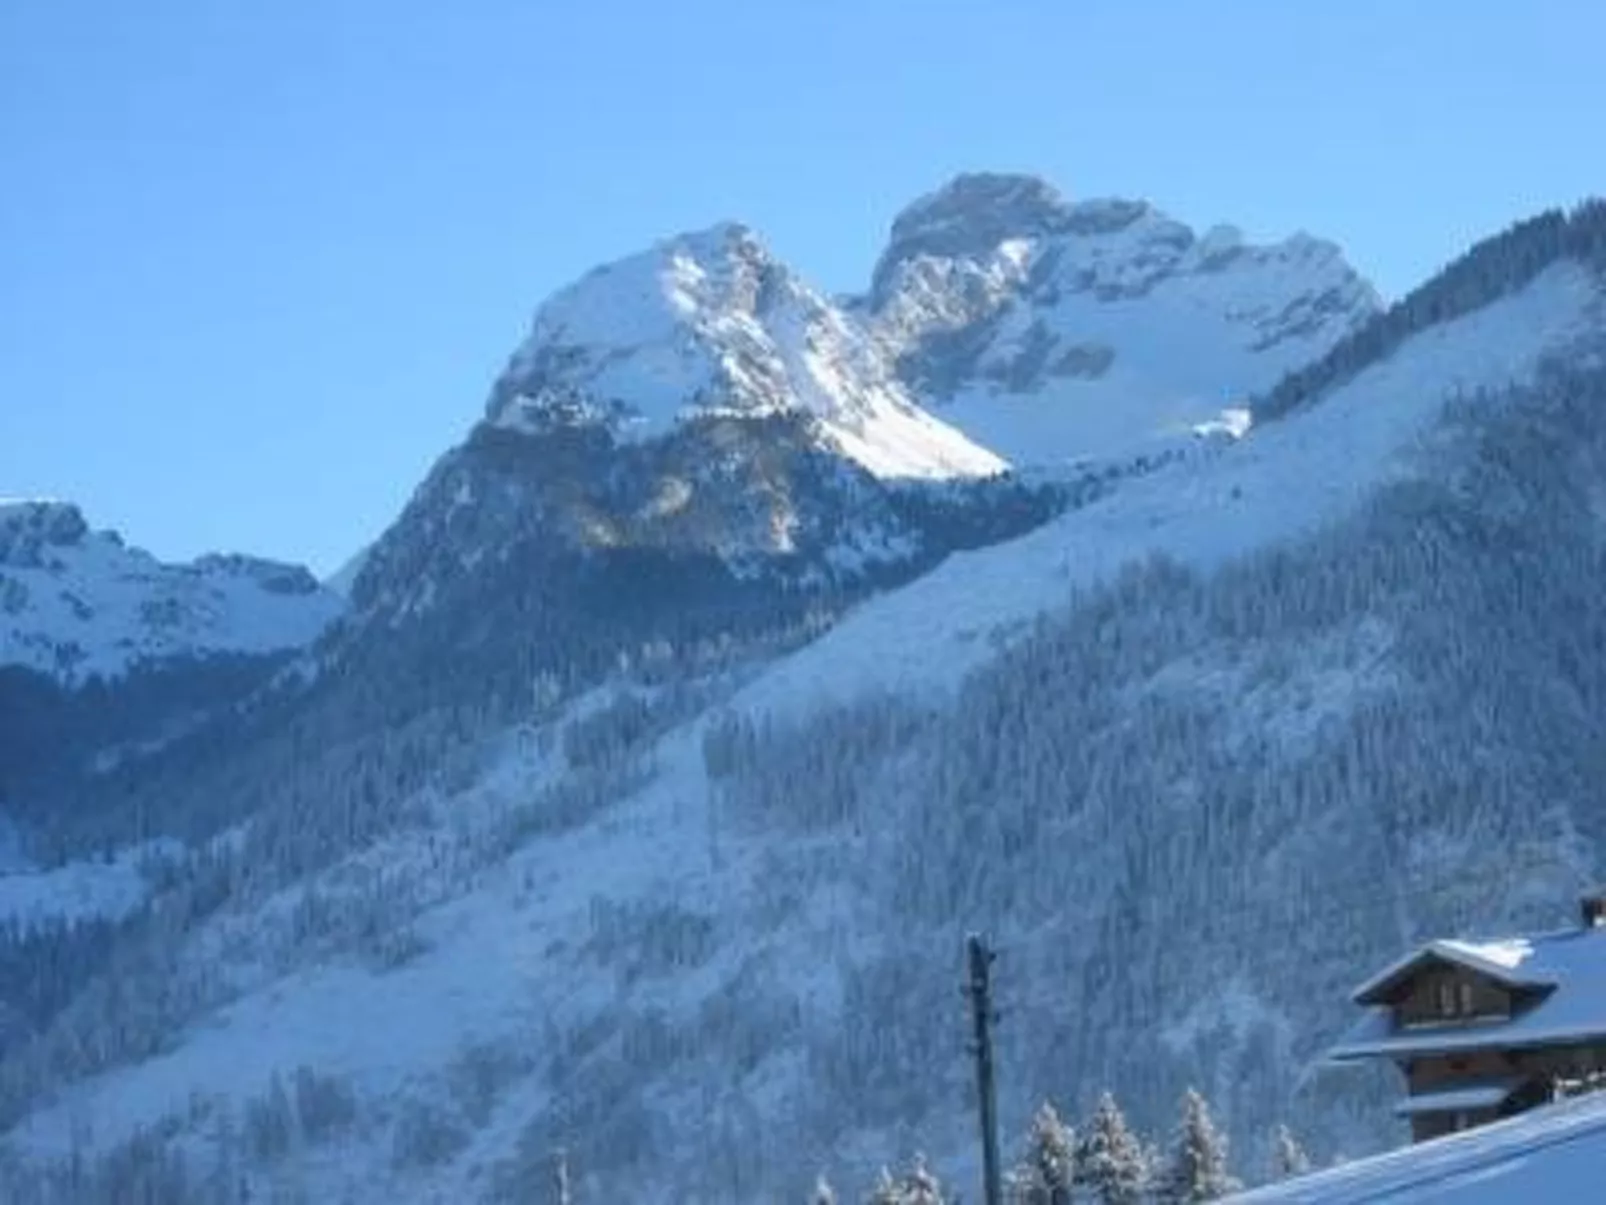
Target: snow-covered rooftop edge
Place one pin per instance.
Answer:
(1553, 1153)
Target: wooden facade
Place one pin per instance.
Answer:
(1445, 994)
(1480, 1033)
(1530, 1074)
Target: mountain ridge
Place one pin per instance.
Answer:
(706, 323)
(76, 602)
(1058, 330)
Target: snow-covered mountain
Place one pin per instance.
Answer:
(595, 829)
(691, 445)
(75, 603)
(710, 324)
(1052, 330)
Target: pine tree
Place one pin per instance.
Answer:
(270, 1122)
(1110, 1162)
(886, 1190)
(920, 1186)
(824, 1194)
(917, 1186)
(1048, 1168)
(1288, 1157)
(1197, 1169)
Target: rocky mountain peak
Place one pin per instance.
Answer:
(77, 602)
(984, 215)
(28, 527)
(1052, 330)
(710, 324)
(694, 401)
(979, 209)
(273, 577)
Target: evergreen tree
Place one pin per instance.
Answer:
(1048, 1168)
(824, 1194)
(886, 1190)
(1197, 1169)
(917, 1186)
(270, 1122)
(1288, 1157)
(1110, 1161)
(1153, 1168)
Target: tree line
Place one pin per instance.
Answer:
(1102, 1162)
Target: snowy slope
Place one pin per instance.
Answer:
(1277, 482)
(710, 323)
(76, 602)
(508, 965)
(1051, 330)
(1553, 1154)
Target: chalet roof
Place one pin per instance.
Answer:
(1510, 962)
(1572, 963)
(1479, 1094)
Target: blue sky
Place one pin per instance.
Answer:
(259, 262)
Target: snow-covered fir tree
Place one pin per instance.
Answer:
(1048, 1168)
(917, 1186)
(1110, 1161)
(1196, 1169)
(920, 1186)
(1288, 1156)
(824, 1194)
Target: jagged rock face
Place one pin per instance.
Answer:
(558, 552)
(976, 212)
(709, 324)
(1050, 330)
(29, 529)
(76, 602)
(741, 491)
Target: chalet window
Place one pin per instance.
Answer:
(1446, 999)
(1455, 999)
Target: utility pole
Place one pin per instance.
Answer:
(981, 1009)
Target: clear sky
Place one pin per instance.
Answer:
(260, 261)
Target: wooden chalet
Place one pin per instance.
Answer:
(1484, 1030)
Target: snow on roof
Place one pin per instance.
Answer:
(1479, 1094)
(1572, 962)
(1499, 960)
(1508, 954)
(1553, 1153)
